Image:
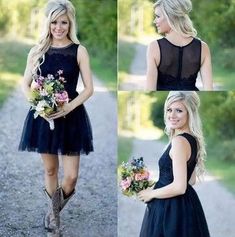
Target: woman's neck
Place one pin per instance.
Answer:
(177, 38)
(60, 43)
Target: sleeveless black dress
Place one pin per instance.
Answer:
(72, 134)
(179, 66)
(180, 216)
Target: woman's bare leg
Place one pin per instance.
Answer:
(51, 166)
(71, 169)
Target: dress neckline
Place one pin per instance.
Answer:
(178, 45)
(62, 47)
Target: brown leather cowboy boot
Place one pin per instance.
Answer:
(52, 218)
(64, 200)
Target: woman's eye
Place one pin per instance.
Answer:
(53, 22)
(64, 22)
(169, 110)
(179, 110)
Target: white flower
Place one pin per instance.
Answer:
(41, 106)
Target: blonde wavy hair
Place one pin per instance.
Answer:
(53, 10)
(191, 101)
(176, 13)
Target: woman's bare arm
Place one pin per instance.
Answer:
(206, 68)
(153, 59)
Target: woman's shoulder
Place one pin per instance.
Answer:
(205, 50)
(32, 51)
(82, 49)
(180, 144)
(153, 47)
(82, 53)
(180, 140)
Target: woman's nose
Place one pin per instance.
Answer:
(58, 26)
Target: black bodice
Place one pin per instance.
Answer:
(65, 59)
(165, 163)
(179, 66)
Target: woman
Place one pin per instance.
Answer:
(59, 49)
(173, 62)
(173, 207)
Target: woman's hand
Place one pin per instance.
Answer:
(146, 195)
(62, 112)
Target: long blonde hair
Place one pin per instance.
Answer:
(176, 13)
(191, 101)
(53, 10)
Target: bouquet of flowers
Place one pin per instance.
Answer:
(48, 95)
(134, 177)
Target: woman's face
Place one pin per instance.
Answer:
(60, 27)
(177, 116)
(161, 21)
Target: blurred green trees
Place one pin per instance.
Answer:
(135, 17)
(97, 27)
(96, 20)
(215, 23)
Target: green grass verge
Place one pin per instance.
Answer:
(125, 146)
(225, 171)
(13, 57)
(106, 74)
(126, 53)
(224, 77)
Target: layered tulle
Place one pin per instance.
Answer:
(72, 135)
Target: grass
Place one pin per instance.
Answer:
(106, 74)
(225, 77)
(125, 146)
(126, 53)
(13, 56)
(224, 171)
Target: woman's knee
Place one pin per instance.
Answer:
(51, 171)
(71, 179)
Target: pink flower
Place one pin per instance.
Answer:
(142, 176)
(62, 97)
(125, 184)
(35, 85)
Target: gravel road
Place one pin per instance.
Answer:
(93, 210)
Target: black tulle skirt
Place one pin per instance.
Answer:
(71, 135)
(180, 216)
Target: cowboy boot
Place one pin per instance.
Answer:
(64, 199)
(52, 218)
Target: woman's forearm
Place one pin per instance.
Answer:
(82, 97)
(169, 191)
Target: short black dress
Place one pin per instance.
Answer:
(72, 134)
(179, 66)
(180, 216)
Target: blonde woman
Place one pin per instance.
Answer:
(174, 61)
(173, 207)
(59, 49)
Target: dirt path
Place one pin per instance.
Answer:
(136, 78)
(217, 202)
(92, 212)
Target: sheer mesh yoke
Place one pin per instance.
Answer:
(178, 66)
(72, 134)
